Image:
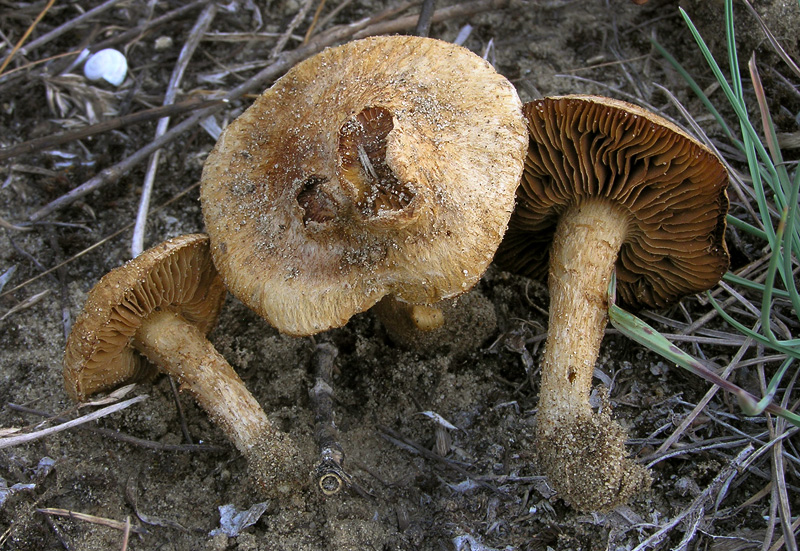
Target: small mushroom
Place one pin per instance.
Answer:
(159, 307)
(385, 166)
(607, 186)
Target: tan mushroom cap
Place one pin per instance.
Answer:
(672, 188)
(177, 275)
(384, 166)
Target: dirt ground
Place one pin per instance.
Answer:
(486, 492)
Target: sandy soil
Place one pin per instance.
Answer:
(487, 492)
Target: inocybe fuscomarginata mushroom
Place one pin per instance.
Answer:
(152, 314)
(385, 166)
(607, 186)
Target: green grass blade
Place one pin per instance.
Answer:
(790, 348)
(744, 226)
(734, 279)
(699, 93)
(634, 328)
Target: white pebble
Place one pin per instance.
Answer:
(109, 65)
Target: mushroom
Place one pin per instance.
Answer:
(385, 166)
(607, 186)
(159, 307)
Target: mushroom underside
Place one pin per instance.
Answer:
(607, 187)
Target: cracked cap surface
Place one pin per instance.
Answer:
(383, 166)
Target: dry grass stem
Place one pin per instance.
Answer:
(314, 21)
(272, 71)
(689, 419)
(295, 22)
(110, 523)
(691, 516)
(27, 303)
(132, 496)
(69, 25)
(409, 22)
(145, 115)
(121, 436)
(18, 45)
(202, 24)
(97, 244)
(108, 410)
(89, 145)
(126, 533)
(409, 445)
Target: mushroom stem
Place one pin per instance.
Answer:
(582, 452)
(585, 247)
(182, 351)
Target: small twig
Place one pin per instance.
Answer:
(27, 303)
(678, 432)
(328, 18)
(70, 24)
(113, 173)
(146, 115)
(314, 21)
(450, 12)
(61, 279)
(138, 30)
(121, 38)
(179, 407)
(403, 442)
(110, 523)
(108, 410)
(778, 469)
(132, 494)
(423, 27)
(28, 256)
(295, 22)
(25, 35)
(92, 247)
(330, 474)
(122, 437)
(697, 508)
(200, 27)
(779, 544)
(126, 533)
(9, 226)
(57, 531)
(701, 446)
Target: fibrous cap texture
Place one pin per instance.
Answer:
(386, 166)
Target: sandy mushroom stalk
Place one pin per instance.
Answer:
(607, 187)
(160, 306)
(385, 166)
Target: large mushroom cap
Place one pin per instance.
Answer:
(671, 187)
(177, 275)
(384, 166)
